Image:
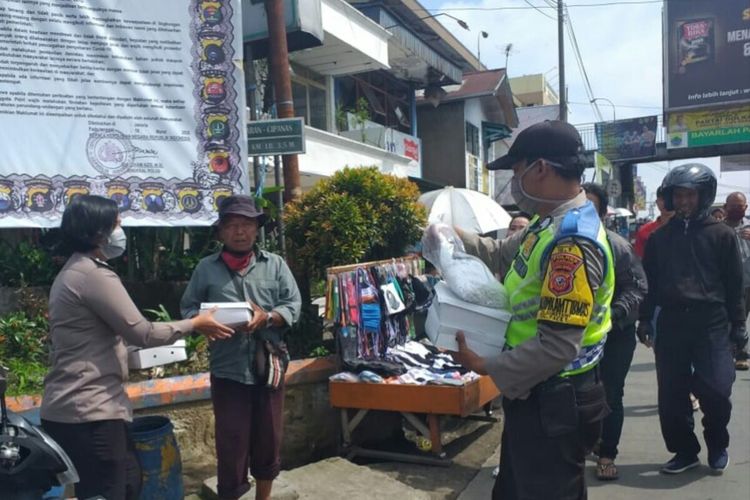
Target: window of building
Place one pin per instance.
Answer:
(309, 96)
(388, 99)
(472, 139)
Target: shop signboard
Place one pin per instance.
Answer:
(707, 53)
(708, 128)
(276, 137)
(627, 139)
(136, 101)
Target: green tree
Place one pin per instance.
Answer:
(357, 215)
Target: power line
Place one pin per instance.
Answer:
(581, 66)
(539, 10)
(634, 106)
(600, 4)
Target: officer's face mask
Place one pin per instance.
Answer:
(526, 202)
(115, 245)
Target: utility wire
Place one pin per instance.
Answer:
(581, 66)
(575, 5)
(634, 106)
(539, 10)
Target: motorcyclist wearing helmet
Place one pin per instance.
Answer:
(695, 275)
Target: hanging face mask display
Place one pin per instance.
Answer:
(116, 244)
(392, 298)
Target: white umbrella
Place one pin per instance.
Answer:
(623, 212)
(466, 209)
(619, 212)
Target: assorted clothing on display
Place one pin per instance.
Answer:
(372, 307)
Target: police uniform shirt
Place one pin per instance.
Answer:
(560, 328)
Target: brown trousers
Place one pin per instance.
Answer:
(249, 422)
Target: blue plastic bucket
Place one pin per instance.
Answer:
(159, 454)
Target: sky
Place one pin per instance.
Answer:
(620, 46)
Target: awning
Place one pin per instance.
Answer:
(302, 19)
(492, 132)
(352, 42)
(410, 57)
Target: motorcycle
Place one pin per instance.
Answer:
(31, 462)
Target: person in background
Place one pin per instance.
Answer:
(517, 223)
(735, 208)
(718, 214)
(630, 288)
(645, 230)
(248, 415)
(695, 275)
(560, 279)
(92, 318)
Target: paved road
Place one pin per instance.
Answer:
(642, 450)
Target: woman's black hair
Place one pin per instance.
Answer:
(601, 193)
(87, 221)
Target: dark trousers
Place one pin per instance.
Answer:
(104, 456)
(249, 420)
(546, 438)
(614, 366)
(694, 354)
(744, 353)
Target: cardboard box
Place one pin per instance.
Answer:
(229, 313)
(156, 356)
(484, 327)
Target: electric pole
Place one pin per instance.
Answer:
(282, 84)
(561, 61)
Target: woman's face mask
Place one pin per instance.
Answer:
(115, 245)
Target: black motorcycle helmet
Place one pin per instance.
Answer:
(692, 176)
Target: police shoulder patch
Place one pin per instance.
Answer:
(566, 296)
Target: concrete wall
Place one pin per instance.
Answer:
(441, 130)
(311, 426)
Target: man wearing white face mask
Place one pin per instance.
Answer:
(85, 407)
(560, 281)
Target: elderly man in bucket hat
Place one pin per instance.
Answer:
(560, 281)
(248, 413)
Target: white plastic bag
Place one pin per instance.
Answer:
(467, 276)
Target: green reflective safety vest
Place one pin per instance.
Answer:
(525, 280)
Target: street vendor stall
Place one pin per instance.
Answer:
(371, 306)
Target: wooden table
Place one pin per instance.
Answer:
(408, 399)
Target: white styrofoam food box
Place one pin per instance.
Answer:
(156, 356)
(484, 327)
(229, 313)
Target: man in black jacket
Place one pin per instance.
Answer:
(630, 288)
(695, 276)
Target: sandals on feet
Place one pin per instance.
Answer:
(606, 471)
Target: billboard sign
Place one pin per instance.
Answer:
(708, 128)
(627, 139)
(707, 53)
(137, 101)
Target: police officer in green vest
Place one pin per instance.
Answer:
(559, 275)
